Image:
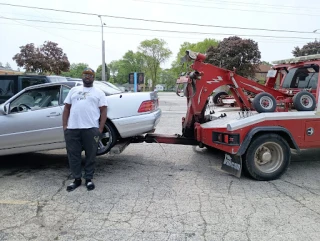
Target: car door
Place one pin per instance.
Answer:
(35, 118)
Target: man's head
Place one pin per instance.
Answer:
(88, 77)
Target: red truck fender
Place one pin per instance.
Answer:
(267, 129)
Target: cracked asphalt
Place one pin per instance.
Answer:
(157, 192)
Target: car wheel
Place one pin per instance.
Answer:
(217, 98)
(267, 157)
(264, 102)
(304, 101)
(108, 139)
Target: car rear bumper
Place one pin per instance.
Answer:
(137, 125)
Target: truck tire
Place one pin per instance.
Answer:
(267, 157)
(216, 97)
(108, 139)
(304, 101)
(264, 102)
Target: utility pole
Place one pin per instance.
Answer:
(315, 31)
(103, 54)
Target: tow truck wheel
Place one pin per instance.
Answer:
(264, 102)
(267, 157)
(217, 97)
(304, 101)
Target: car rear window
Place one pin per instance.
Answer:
(108, 90)
(28, 81)
(303, 77)
(54, 79)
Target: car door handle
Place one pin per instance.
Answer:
(52, 114)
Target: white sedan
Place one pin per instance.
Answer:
(32, 119)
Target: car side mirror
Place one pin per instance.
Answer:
(6, 108)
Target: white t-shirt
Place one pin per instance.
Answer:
(85, 103)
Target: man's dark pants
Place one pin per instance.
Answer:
(78, 140)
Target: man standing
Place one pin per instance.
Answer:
(84, 107)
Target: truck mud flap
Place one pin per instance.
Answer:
(232, 164)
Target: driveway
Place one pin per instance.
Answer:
(157, 192)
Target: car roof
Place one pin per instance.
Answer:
(23, 75)
(67, 83)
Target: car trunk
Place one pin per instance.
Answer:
(132, 104)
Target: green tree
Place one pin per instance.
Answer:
(235, 52)
(154, 52)
(307, 49)
(99, 73)
(75, 70)
(119, 70)
(168, 77)
(266, 63)
(200, 47)
(114, 69)
(134, 62)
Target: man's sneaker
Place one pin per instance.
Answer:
(90, 185)
(76, 183)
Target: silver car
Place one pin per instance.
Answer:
(32, 119)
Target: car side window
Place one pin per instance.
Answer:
(313, 81)
(28, 81)
(36, 99)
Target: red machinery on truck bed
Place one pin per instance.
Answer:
(293, 78)
(257, 142)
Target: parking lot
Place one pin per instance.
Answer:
(157, 192)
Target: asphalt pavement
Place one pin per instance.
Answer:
(157, 192)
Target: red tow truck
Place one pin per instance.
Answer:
(256, 142)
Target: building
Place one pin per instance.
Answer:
(160, 87)
(261, 74)
(8, 71)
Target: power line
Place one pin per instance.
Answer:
(158, 21)
(49, 32)
(268, 40)
(55, 22)
(158, 30)
(252, 4)
(174, 31)
(233, 9)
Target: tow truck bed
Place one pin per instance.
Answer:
(235, 120)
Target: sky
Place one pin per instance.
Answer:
(82, 44)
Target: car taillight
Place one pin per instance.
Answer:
(148, 105)
(226, 138)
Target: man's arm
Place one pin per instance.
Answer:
(103, 117)
(65, 115)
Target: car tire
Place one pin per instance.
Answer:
(216, 97)
(304, 101)
(108, 139)
(264, 102)
(267, 157)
